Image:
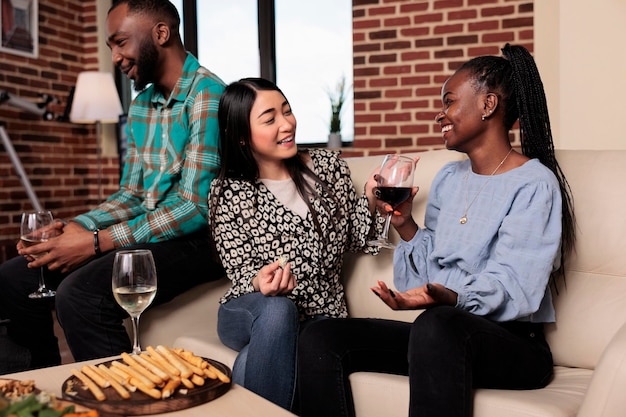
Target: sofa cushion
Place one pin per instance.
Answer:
(562, 398)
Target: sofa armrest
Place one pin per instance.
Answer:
(605, 396)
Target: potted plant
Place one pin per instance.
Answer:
(337, 100)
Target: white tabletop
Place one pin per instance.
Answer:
(237, 402)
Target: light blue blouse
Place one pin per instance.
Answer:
(498, 262)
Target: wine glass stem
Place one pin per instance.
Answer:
(385, 235)
(136, 347)
(42, 284)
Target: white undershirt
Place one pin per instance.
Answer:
(286, 192)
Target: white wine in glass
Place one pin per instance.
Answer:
(134, 284)
(38, 227)
(395, 180)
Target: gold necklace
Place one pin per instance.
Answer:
(463, 219)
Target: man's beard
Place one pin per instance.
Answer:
(146, 65)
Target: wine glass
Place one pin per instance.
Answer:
(395, 180)
(134, 285)
(38, 227)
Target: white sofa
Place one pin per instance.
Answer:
(588, 341)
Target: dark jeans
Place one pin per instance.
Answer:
(90, 317)
(446, 352)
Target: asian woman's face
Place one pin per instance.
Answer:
(272, 128)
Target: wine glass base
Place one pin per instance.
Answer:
(42, 294)
(381, 243)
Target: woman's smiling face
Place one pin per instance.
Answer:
(272, 128)
(463, 107)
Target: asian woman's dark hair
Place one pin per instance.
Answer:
(236, 158)
(515, 80)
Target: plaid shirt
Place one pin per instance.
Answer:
(172, 159)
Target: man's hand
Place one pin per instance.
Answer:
(273, 280)
(426, 296)
(65, 252)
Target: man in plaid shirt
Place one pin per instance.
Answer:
(161, 205)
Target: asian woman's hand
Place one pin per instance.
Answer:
(272, 280)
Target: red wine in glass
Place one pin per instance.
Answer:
(394, 195)
(395, 180)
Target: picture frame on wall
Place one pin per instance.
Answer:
(19, 25)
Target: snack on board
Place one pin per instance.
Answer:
(159, 373)
(21, 398)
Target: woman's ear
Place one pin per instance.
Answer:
(491, 103)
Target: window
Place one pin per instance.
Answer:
(313, 52)
(228, 42)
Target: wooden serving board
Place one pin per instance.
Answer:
(142, 404)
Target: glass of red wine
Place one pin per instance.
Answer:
(395, 180)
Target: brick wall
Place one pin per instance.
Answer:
(58, 157)
(403, 52)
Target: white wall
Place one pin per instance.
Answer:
(579, 48)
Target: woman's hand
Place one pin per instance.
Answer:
(402, 219)
(426, 296)
(273, 280)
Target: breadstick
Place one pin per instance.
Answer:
(170, 387)
(152, 368)
(197, 380)
(162, 361)
(222, 377)
(95, 389)
(152, 392)
(158, 365)
(192, 359)
(186, 382)
(95, 376)
(173, 358)
(133, 374)
(209, 373)
(195, 369)
(131, 362)
(115, 383)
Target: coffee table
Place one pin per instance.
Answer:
(237, 402)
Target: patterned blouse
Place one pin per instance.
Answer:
(252, 229)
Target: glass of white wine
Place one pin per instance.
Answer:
(134, 285)
(38, 227)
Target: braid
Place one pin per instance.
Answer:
(536, 134)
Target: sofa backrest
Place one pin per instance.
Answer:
(590, 304)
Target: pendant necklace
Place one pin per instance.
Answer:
(463, 219)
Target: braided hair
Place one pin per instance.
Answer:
(515, 79)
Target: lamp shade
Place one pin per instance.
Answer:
(95, 99)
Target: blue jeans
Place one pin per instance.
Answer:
(446, 353)
(91, 319)
(264, 330)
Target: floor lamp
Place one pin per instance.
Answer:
(96, 101)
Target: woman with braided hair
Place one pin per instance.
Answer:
(498, 226)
